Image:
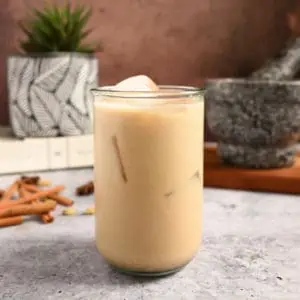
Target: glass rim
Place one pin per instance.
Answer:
(164, 92)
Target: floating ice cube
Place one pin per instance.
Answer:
(139, 83)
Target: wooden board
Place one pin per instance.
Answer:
(216, 174)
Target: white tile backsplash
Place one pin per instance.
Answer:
(41, 154)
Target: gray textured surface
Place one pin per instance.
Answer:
(251, 250)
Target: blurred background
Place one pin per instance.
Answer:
(173, 41)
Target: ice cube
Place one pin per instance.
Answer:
(139, 83)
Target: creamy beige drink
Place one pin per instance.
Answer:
(148, 177)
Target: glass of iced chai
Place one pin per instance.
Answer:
(148, 175)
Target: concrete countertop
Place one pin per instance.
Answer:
(251, 250)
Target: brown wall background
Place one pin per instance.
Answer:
(173, 41)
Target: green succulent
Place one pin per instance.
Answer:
(57, 28)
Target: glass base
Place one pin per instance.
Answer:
(147, 274)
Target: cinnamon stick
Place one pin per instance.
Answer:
(62, 200)
(5, 222)
(32, 197)
(45, 217)
(10, 191)
(25, 209)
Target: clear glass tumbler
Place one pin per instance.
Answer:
(148, 177)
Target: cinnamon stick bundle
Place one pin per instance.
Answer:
(32, 197)
(26, 197)
(25, 209)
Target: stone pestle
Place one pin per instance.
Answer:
(285, 67)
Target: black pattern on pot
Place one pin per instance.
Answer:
(257, 123)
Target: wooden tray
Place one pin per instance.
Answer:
(216, 174)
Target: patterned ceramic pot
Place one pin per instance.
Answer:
(256, 123)
(49, 94)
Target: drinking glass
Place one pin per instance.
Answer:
(148, 167)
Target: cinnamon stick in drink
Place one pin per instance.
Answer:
(32, 197)
(5, 222)
(25, 209)
(119, 157)
(62, 200)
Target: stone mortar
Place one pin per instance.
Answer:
(256, 122)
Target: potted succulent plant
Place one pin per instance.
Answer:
(49, 83)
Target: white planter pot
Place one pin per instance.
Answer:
(49, 94)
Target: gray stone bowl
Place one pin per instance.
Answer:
(256, 122)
